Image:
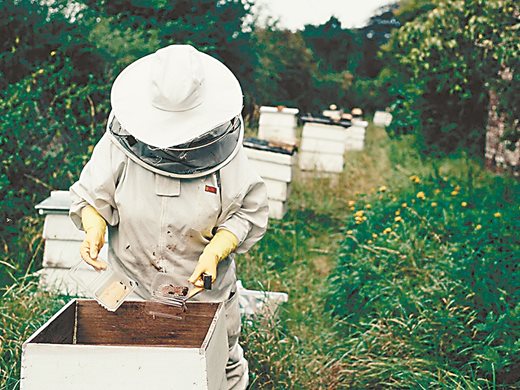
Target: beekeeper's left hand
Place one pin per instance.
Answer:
(221, 245)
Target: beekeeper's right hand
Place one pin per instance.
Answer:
(95, 228)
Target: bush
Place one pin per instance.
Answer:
(49, 124)
(426, 287)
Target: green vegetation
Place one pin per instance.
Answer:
(422, 296)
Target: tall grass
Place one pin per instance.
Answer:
(317, 341)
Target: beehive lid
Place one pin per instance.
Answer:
(325, 121)
(58, 202)
(279, 109)
(84, 322)
(259, 144)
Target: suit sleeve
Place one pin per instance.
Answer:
(97, 183)
(245, 212)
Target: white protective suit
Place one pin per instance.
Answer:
(158, 223)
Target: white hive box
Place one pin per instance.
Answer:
(355, 135)
(382, 118)
(278, 124)
(322, 148)
(62, 243)
(84, 346)
(275, 165)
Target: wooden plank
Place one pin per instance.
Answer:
(217, 351)
(277, 209)
(61, 227)
(310, 161)
(271, 157)
(85, 367)
(59, 329)
(277, 190)
(322, 146)
(132, 324)
(65, 253)
(323, 132)
(273, 171)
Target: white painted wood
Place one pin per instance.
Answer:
(355, 137)
(61, 227)
(354, 145)
(65, 253)
(277, 208)
(359, 122)
(278, 125)
(277, 119)
(310, 161)
(254, 302)
(284, 135)
(277, 190)
(284, 110)
(217, 346)
(273, 171)
(58, 201)
(58, 280)
(322, 146)
(382, 118)
(272, 157)
(87, 367)
(323, 132)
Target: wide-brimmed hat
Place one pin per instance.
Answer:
(175, 95)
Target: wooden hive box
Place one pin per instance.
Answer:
(83, 346)
(276, 167)
(278, 124)
(62, 243)
(322, 148)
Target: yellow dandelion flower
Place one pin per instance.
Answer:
(370, 242)
(352, 208)
(387, 230)
(404, 205)
(374, 235)
(53, 53)
(454, 193)
(464, 204)
(394, 199)
(382, 189)
(40, 71)
(398, 212)
(364, 218)
(28, 89)
(359, 221)
(434, 204)
(359, 213)
(457, 188)
(415, 179)
(421, 195)
(368, 206)
(478, 227)
(398, 219)
(349, 232)
(497, 215)
(436, 191)
(351, 203)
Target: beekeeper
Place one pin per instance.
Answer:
(171, 180)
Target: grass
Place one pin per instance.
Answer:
(310, 344)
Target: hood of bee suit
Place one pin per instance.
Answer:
(198, 157)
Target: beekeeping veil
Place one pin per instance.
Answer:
(177, 111)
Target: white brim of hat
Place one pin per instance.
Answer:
(132, 104)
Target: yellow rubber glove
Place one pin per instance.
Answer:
(95, 227)
(221, 245)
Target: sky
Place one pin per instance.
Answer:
(294, 14)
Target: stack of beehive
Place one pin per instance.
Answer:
(62, 243)
(322, 147)
(275, 165)
(355, 135)
(278, 124)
